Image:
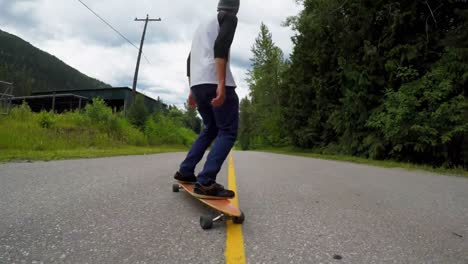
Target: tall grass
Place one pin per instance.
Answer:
(94, 127)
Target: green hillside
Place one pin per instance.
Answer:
(32, 69)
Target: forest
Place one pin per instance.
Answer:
(381, 79)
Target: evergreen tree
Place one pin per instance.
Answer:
(264, 82)
(138, 113)
(379, 79)
(245, 124)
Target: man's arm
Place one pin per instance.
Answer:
(191, 99)
(188, 66)
(228, 24)
(227, 30)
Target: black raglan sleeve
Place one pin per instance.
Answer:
(227, 25)
(188, 65)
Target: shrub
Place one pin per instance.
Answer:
(95, 126)
(161, 129)
(98, 112)
(125, 132)
(46, 119)
(22, 112)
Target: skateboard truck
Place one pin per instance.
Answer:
(176, 187)
(206, 221)
(227, 210)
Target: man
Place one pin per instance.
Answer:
(212, 89)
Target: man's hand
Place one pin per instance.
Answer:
(220, 96)
(192, 104)
(221, 74)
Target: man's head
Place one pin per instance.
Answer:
(229, 6)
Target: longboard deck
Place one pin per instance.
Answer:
(224, 206)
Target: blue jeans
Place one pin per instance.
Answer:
(220, 126)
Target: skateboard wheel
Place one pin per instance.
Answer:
(206, 222)
(239, 219)
(175, 187)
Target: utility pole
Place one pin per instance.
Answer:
(135, 79)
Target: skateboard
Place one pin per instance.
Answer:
(225, 207)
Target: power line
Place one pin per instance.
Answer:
(116, 31)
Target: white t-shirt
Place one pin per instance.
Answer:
(202, 59)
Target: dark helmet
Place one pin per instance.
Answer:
(229, 5)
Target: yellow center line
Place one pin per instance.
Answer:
(234, 252)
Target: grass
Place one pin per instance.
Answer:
(378, 163)
(94, 132)
(47, 155)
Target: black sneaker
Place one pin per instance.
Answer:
(190, 179)
(213, 191)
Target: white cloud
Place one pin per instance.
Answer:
(69, 31)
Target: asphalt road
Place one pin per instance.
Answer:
(298, 210)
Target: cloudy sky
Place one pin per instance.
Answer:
(66, 29)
